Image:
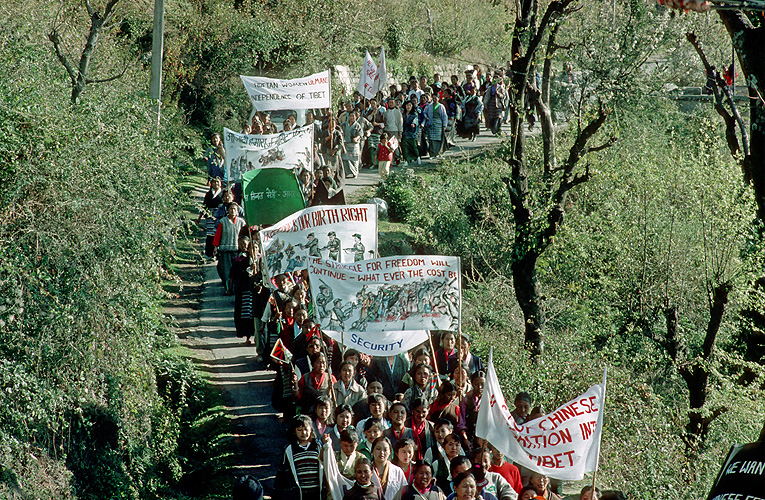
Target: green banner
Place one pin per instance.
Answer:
(270, 195)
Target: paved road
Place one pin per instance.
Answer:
(233, 366)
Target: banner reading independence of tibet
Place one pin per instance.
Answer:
(270, 194)
(416, 292)
(564, 444)
(345, 233)
(309, 92)
(742, 475)
(292, 150)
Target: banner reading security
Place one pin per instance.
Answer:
(563, 444)
(268, 94)
(291, 150)
(416, 292)
(380, 343)
(344, 233)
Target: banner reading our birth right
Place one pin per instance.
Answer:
(414, 292)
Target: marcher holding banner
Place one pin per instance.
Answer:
(564, 444)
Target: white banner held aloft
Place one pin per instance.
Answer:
(368, 79)
(310, 92)
(345, 233)
(382, 71)
(380, 343)
(415, 292)
(337, 484)
(564, 444)
(292, 150)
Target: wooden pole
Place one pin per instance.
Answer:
(433, 353)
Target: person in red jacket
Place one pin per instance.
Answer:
(505, 469)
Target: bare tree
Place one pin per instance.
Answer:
(80, 73)
(532, 235)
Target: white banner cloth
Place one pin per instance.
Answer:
(564, 444)
(347, 233)
(368, 79)
(293, 149)
(415, 292)
(336, 482)
(380, 343)
(269, 94)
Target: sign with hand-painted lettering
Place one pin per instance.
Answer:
(292, 150)
(563, 444)
(270, 194)
(742, 476)
(415, 292)
(343, 233)
(310, 92)
(380, 343)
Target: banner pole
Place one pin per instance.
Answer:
(433, 351)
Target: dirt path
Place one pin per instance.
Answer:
(205, 323)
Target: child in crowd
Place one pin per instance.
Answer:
(343, 419)
(347, 455)
(397, 430)
(322, 421)
(422, 388)
(301, 472)
(384, 155)
(347, 390)
(442, 428)
(372, 430)
(469, 407)
(422, 429)
(403, 456)
(363, 488)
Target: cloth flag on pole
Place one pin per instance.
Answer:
(564, 444)
(382, 71)
(268, 94)
(270, 194)
(367, 82)
(392, 294)
(279, 353)
(292, 150)
(347, 233)
(336, 482)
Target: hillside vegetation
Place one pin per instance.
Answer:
(95, 401)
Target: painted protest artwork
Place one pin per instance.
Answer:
(341, 233)
(290, 150)
(418, 292)
(270, 194)
(268, 94)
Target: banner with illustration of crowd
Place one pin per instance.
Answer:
(346, 233)
(416, 292)
(291, 150)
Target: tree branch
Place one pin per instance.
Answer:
(56, 40)
(89, 6)
(111, 78)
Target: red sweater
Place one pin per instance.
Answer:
(510, 473)
(383, 153)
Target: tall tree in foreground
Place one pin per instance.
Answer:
(534, 233)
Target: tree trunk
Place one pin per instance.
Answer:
(528, 297)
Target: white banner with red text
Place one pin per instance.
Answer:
(268, 94)
(345, 233)
(414, 292)
(291, 150)
(564, 444)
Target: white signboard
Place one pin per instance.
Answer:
(343, 233)
(292, 150)
(268, 94)
(415, 292)
(380, 343)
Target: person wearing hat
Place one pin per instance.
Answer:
(333, 245)
(358, 248)
(312, 246)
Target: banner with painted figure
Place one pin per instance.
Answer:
(564, 444)
(310, 92)
(346, 233)
(270, 194)
(380, 343)
(291, 150)
(391, 294)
